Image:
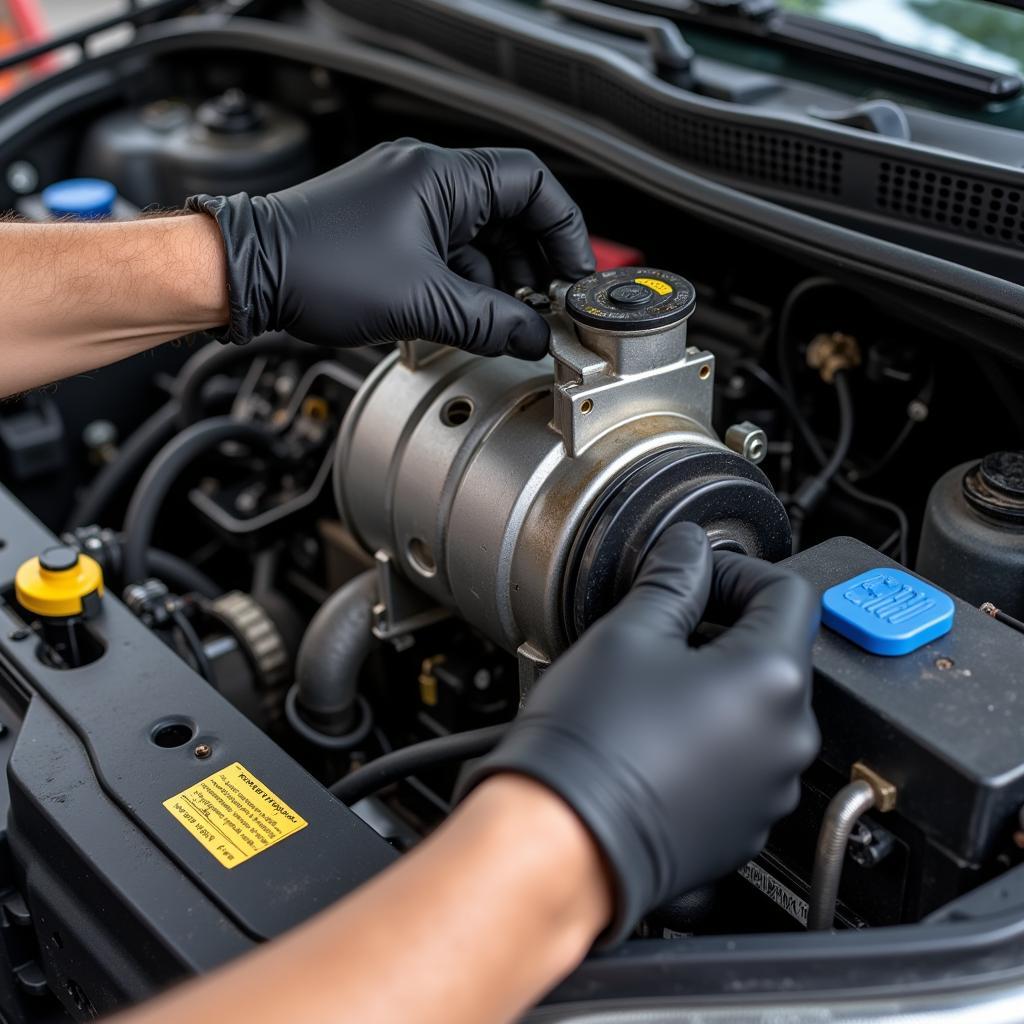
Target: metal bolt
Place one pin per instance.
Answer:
(917, 411)
(18, 634)
(944, 664)
(203, 751)
(22, 177)
(748, 440)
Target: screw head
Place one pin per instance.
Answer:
(944, 664)
(18, 634)
(203, 751)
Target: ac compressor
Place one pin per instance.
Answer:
(524, 496)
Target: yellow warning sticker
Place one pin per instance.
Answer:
(234, 815)
(652, 282)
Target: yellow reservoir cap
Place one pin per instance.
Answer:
(60, 584)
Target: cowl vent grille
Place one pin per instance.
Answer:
(965, 205)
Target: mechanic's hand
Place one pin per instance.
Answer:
(677, 759)
(360, 255)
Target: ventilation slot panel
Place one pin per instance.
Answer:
(955, 203)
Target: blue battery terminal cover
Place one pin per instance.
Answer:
(887, 611)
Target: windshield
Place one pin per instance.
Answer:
(971, 31)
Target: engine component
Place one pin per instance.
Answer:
(972, 538)
(256, 635)
(841, 817)
(77, 199)
(61, 589)
(525, 495)
(940, 725)
(330, 659)
(134, 786)
(167, 150)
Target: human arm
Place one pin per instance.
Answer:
(77, 296)
(360, 255)
(670, 763)
(472, 927)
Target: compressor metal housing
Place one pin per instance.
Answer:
(524, 495)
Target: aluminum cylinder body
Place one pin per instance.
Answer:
(481, 513)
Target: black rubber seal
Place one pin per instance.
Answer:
(723, 492)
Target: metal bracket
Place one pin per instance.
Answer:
(401, 608)
(617, 378)
(419, 353)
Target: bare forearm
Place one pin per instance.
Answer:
(474, 926)
(74, 297)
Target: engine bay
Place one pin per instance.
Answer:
(328, 578)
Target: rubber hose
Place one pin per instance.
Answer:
(411, 760)
(841, 815)
(215, 358)
(159, 428)
(132, 456)
(164, 470)
(331, 655)
(181, 575)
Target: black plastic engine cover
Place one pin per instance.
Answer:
(123, 897)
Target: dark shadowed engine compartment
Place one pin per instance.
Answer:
(285, 605)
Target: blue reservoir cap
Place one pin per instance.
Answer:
(86, 198)
(887, 611)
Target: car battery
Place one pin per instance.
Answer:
(943, 722)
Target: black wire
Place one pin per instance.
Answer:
(925, 397)
(845, 439)
(194, 644)
(889, 541)
(148, 496)
(782, 334)
(214, 359)
(760, 374)
(889, 506)
(419, 757)
(180, 574)
(811, 492)
(136, 451)
(1001, 616)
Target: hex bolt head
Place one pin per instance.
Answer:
(747, 439)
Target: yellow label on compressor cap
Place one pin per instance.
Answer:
(654, 284)
(234, 815)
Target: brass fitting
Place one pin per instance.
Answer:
(830, 353)
(885, 791)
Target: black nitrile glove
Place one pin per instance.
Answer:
(360, 255)
(677, 759)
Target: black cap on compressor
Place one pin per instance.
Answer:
(716, 488)
(631, 299)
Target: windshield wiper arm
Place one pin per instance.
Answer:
(761, 21)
